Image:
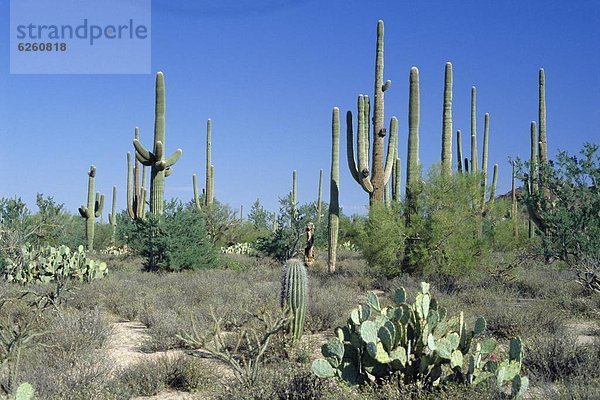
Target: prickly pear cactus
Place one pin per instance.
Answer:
(48, 264)
(24, 392)
(417, 341)
(294, 294)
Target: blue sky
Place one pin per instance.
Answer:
(268, 74)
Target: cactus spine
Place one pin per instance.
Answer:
(372, 181)
(161, 166)
(494, 183)
(93, 209)
(320, 197)
(459, 153)
(447, 122)
(112, 216)
(136, 189)
(412, 161)
(334, 189)
(484, 160)
(474, 130)
(294, 294)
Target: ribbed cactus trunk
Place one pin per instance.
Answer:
(197, 201)
(374, 179)
(136, 186)
(112, 217)
(474, 160)
(459, 152)
(494, 183)
(294, 292)
(320, 195)
(334, 190)
(484, 160)
(533, 171)
(160, 167)
(396, 180)
(543, 139)
(93, 209)
(447, 123)
(412, 160)
(208, 200)
(294, 197)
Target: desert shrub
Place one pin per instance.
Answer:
(177, 240)
(380, 240)
(566, 206)
(285, 242)
(558, 357)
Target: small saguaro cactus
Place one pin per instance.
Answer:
(412, 159)
(459, 152)
(161, 166)
(474, 130)
(334, 190)
(319, 204)
(294, 196)
(494, 183)
(93, 209)
(447, 122)
(112, 217)
(294, 288)
(374, 180)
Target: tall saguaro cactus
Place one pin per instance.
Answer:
(447, 122)
(484, 159)
(161, 166)
(136, 187)
(294, 196)
(373, 181)
(209, 167)
(396, 180)
(334, 190)
(93, 209)
(533, 171)
(474, 160)
(412, 160)
(320, 197)
(514, 202)
(112, 216)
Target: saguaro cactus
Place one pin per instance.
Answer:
(319, 205)
(533, 170)
(494, 183)
(161, 167)
(93, 209)
(459, 152)
(373, 181)
(514, 203)
(294, 287)
(474, 160)
(112, 216)
(136, 188)
(447, 122)
(412, 160)
(294, 196)
(208, 200)
(484, 160)
(396, 180)
(334, 189)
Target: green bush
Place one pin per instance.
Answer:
(380, 240)
(176, 240)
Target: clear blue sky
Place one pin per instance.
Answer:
(268, 74)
